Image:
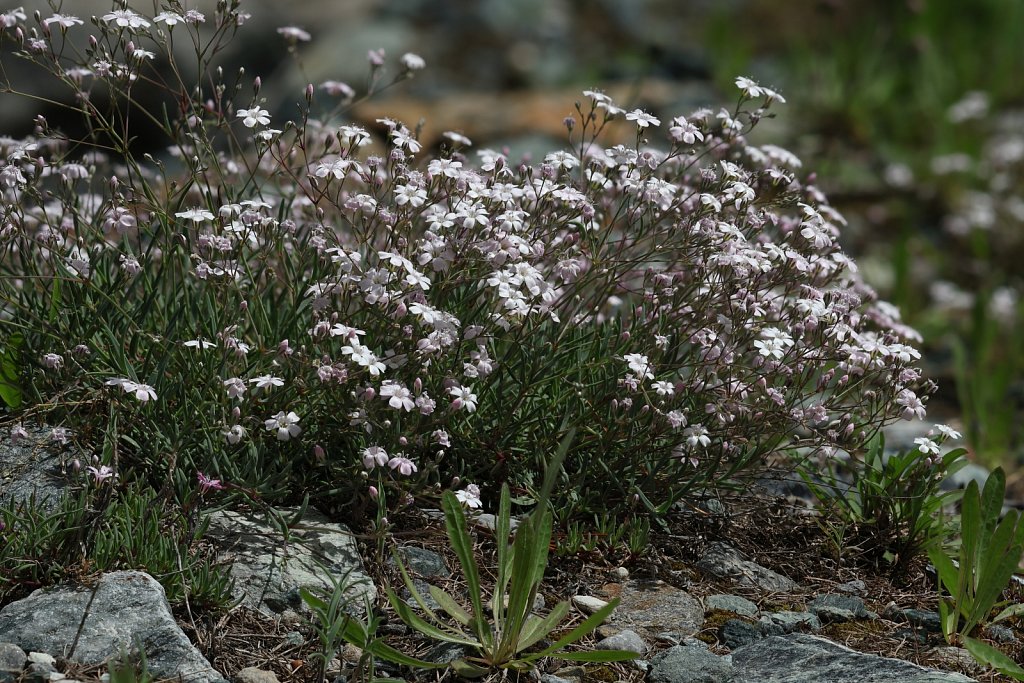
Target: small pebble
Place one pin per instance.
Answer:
(588, 604)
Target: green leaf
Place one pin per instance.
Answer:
(455, 523)
(468, 670)
(582, 629)
(385, 651)
(448, 604)
(55, 297)
(536, 629)
(1010, 612)
(986, 654)
(10, 357)
(412, 619)
(315, 603)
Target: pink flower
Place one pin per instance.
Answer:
(206, 484)
(102, 474)
(404, 465)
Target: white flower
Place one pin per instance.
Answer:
(63, 20)
(413, 62)
(287, 425)
(143, 392)
(169, 18)
(253, 117)
(664, 388)
(195, 215)
(294, 33)
(267, 382)
(200, 344)
(639, 364)
(696, 435)
(364, 357)
(125, 18)
(948, 431)
(469, 496)
(642, 118)
(749, 87)
(399, 397)
(926, 445)
(235, 434)
(235, 387)
(375, 456)
(464, 398)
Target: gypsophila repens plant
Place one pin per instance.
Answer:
(307, 303)
(889, 505)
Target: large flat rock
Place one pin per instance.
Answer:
(798, 658)
(121, 612)
(268, 572)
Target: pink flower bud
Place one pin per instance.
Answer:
(369, 393)
(373, 492)
(417, 385)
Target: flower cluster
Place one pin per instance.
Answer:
(684, 300)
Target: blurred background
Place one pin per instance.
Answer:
(910, 111)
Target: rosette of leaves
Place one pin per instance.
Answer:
(990, 552)
(504, 630)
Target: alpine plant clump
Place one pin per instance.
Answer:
(315, 304)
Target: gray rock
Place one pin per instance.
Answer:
(793, 621)
(426, 563)
(837, 608)
(1001, 634)
(551, 678)
(923, 618)
(799, 658)
(625, 641)
(731, 603)
(123, 610)
(268, 572)
(445, 653)
(726, 562)
(735, 633)
(680, 664)
(647, 606)
(34, 466)
(12, 662)
(251, 674)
